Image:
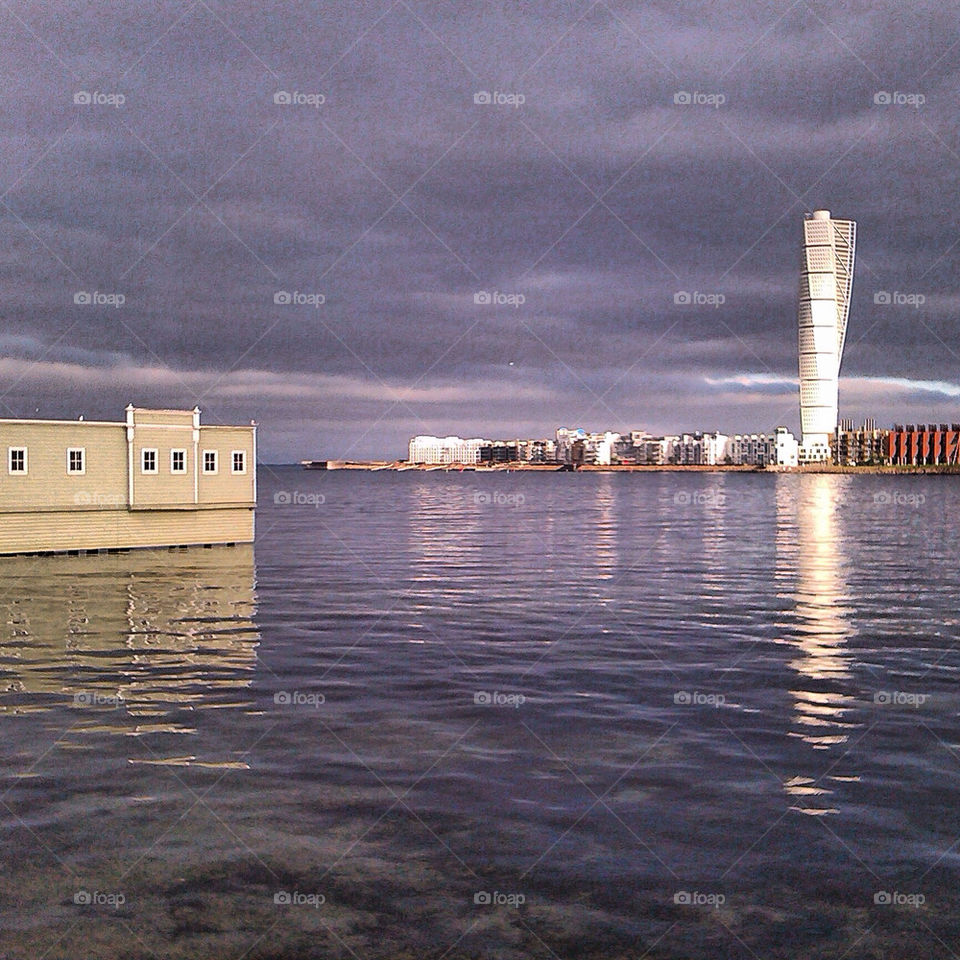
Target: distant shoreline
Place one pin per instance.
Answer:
(400, 466)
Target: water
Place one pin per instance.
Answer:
(663, 715)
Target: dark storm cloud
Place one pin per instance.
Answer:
(597, 200)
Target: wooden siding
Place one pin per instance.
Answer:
(225, 486)
(163, 487)
(57, 531)
(49, 509)
(47, 484)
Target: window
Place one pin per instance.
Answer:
(178, 461)
(209, 461)
(18, 460)
(76, 460)
(239, 461)
(148, 461)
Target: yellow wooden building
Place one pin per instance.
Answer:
(157, 479)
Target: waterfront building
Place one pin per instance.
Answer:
(577, 453)
(577, 446)
(439, 450)
(656, 451)
(786, 452)
(826, 284)
(780, 449)
(499, 451)
(625, 449)
(863, 446)
(543, 451)
(708, 449)
(159, 478)
(536, 450)
(606, 449)
(750, 449)
(565, 440)
(919, 445)
(525, 450)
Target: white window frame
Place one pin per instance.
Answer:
(173, 469)
(83, 461)
(233, 465)
(143, 461)
(216, 463)
(26, 464)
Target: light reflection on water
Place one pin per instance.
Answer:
(811, 542)
(606, 530)
(132, 643)
(822, 600)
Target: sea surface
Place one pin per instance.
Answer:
(436, 715)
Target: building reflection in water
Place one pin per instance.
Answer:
(156, 634)
(606, 529)
(811, 555)
(715, 505)
(445, 547)
(445, 526)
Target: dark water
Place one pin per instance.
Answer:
(662, 715)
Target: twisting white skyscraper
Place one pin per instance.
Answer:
(825, 287)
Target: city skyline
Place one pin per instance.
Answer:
(623, 183)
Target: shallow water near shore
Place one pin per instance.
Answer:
(531, 715)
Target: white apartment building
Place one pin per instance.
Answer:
(606, 448)
(786, 448)
(780, 448)
(438, 450)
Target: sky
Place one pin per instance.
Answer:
(356, 222)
